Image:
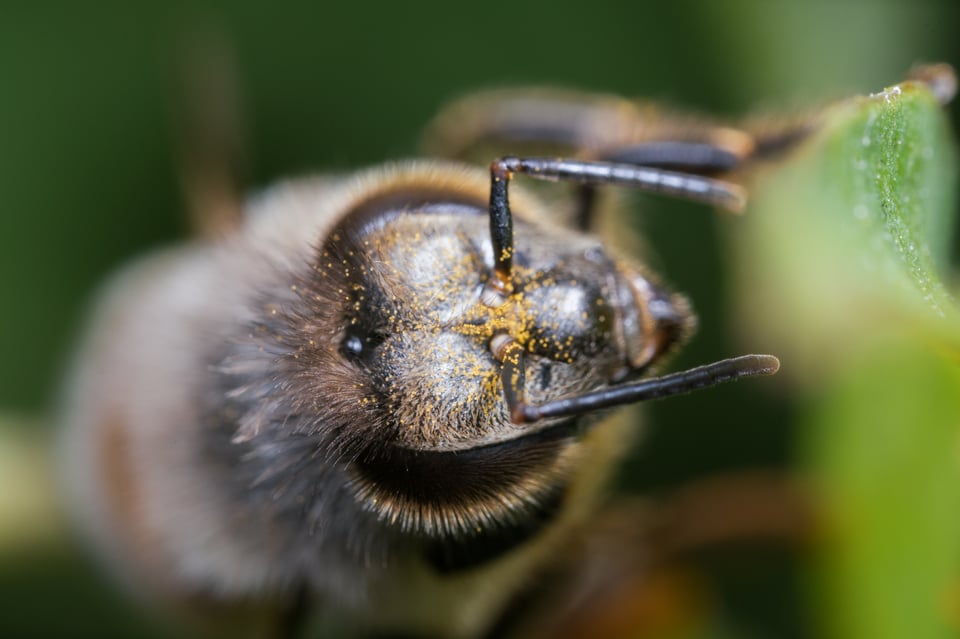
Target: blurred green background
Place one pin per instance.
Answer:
(88, 179)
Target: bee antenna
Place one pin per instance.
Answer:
(692, 379)
(588, 173)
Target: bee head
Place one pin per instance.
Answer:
(395, 351)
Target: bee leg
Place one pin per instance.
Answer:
(575, 123)
(209, 127)
(588, 126)
(530, 120)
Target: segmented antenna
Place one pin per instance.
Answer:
(726, 370)
(591, 173)
(499, 286)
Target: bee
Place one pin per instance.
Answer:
(380, 401)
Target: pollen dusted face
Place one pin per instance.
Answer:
(416, 326)
(407, 392)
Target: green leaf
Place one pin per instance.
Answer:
(845, 246)
(885, 447)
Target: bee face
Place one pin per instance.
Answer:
(386, 350)
(419, 334)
